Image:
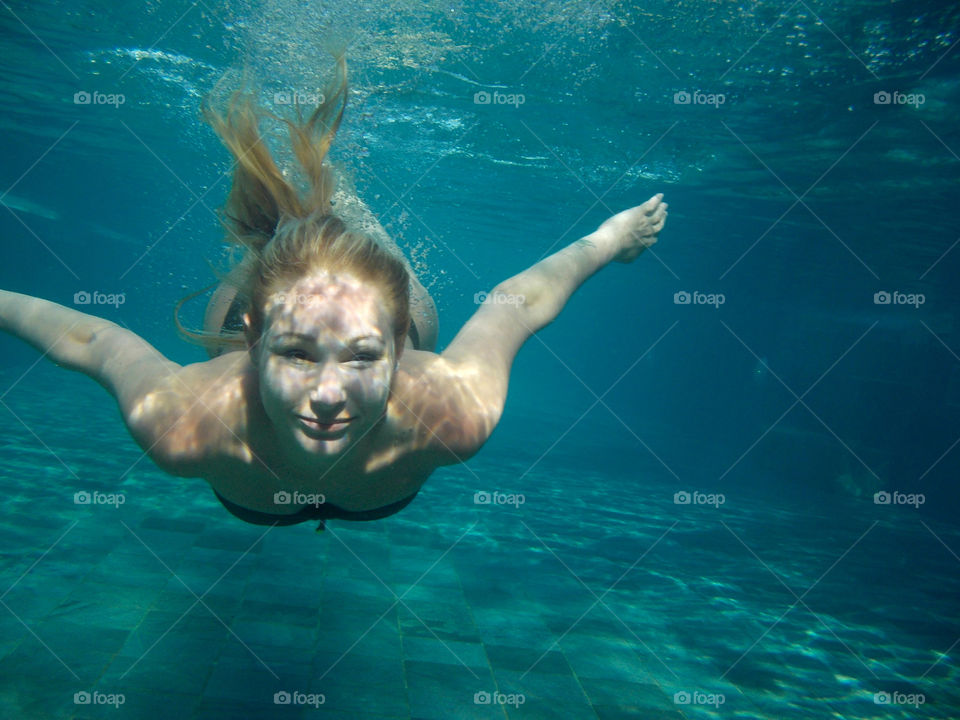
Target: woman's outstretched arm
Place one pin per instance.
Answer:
(126, 365)
(77, 341)
(474, 370)
(63, 335)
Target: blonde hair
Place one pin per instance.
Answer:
(289, 234)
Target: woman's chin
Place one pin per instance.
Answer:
(323, 445)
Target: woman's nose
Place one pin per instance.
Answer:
(328, 392)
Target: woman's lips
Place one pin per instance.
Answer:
(325, 426)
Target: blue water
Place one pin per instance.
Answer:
(795, 199)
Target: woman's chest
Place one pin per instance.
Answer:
(266, 484)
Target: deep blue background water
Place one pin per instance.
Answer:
(705, 398)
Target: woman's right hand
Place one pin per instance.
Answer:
(636, 229)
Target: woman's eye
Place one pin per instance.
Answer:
(295, 354)
(365, 357)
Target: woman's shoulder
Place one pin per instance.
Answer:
(203, 413)
(419, 382)
(430, 412)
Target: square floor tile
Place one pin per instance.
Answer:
(438, 691)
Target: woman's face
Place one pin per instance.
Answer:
(326, 359)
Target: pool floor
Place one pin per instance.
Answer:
(598, 597)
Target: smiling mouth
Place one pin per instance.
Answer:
(324, 427)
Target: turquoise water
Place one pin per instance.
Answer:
(796, 199)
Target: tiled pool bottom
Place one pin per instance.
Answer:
(586, 602)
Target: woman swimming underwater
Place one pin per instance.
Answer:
(323, 397)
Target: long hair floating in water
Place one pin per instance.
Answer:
(286, 232)
(261, 195)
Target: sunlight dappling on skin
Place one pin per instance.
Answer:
(326, 359)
